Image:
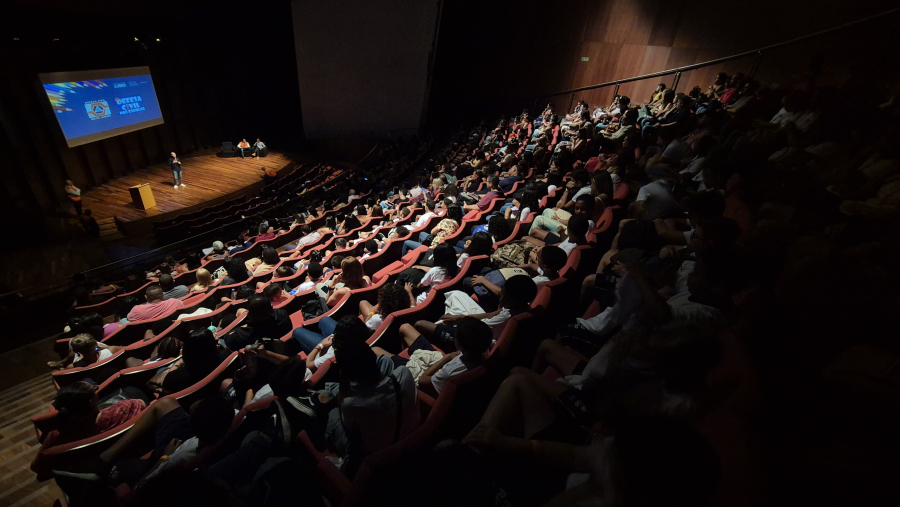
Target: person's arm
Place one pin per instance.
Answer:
(425, 377)
(531, 269)
(318, 349)
(455, 318)
(480, 280)
(112, 348)
(669, 235)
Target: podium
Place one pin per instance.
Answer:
(142, 196)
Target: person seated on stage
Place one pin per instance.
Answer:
(216, 252)
(243, 145)
(170, 290)
(157, 305)
(91, 351)
(257, 147)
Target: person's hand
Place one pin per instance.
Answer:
(172, 446)
(408, 286)
(468, 242)
(448, 318)
(478, 280)
(327, 342)
(560, 229)
(667, 252)
(570, 184)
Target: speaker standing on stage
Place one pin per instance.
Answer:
(175, 164)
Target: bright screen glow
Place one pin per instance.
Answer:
(94, 105)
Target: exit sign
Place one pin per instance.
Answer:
(585, 58)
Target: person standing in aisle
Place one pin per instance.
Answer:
(74, 195)
(175, 164)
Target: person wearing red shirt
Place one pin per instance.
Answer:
(157, 306)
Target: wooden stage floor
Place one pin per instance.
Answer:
(207, 179)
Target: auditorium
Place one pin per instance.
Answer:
(611, 253)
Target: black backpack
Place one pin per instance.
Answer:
(313, 308)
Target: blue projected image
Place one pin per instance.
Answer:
(88, 110)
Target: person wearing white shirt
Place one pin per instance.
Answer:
(429, 212)
(655, 199)
(257, 147)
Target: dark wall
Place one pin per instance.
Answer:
(495, 57)
(219, 76)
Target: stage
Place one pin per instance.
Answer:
(208, 180)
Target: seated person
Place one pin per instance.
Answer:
(241, 244)
(91, 350)
(170, 290)
(276, 294)
(199, 357)
(369, 400)
(507, 183)
(257, 147)
(179, 435)
(262, 321)
(267, 261)
(265, 232)
(447, 226)
(391, 298)
(472, 342)
(350, 278)
(235, 272)
(485, 202)
(204, 281)
(552, 224)
(314, 275)
(79, 417)
(217, 251)
(515, 298)
(703, 300)
(241, 146)
(309, 237)
(156, 306)
(443, 268)
(545, 266)
(372, 247)
(574, 234)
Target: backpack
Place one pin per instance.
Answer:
(313, 308)
(511, 254)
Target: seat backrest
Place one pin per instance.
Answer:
(210, 384)
(98, 372)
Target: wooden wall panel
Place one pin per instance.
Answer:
(625, 38)
(115, 155)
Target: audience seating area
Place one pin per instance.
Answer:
(698, 227)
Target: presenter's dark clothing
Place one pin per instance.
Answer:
(176, 170)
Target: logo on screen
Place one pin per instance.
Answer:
(97, 109)
(129, 105)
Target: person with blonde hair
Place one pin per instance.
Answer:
(204, 281)
(90, 350)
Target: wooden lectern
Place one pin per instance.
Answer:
(142, 196)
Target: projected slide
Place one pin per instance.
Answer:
(94, 105)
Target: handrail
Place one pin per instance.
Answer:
(738, 56)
